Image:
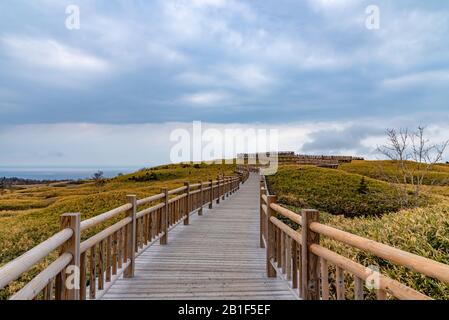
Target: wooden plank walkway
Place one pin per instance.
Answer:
(217, 256)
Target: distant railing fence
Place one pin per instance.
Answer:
(85, 270)
(298, 256)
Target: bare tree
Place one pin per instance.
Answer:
(415, 156)
(98, 178)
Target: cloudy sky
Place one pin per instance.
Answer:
(111, 92)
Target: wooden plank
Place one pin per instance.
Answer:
(381, 294)
(288, 257)
(108, 259)
(340, 283)
(217, 256)
(282, 248)
(163, 218)
(324, 279)
(59, 287)
(48, 292)
(83, 279)
(120, 248)
(114, 253)
(71, 246)
(271, 241)
(188, 204)
(92, 272)
(295, 261)
(358, 288)
(101, 265)
(131, 237)
(310, 279)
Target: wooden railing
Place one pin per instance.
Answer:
(85, 270)
(298, 256)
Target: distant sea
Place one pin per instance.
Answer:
(60, 173)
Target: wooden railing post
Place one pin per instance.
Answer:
(223, 188)
(188, 204)
(211, 194)
(271, 271)
(129, 271)
(164, 218)
(310, 263)
(219, 190)
(262, 216)
(72, 246)
(200, 211)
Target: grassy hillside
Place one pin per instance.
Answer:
(423, 231)
(334, 191)
(29, 215)
(387, 171)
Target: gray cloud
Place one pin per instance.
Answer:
(335, 141)
(134, 63)
(287, 61)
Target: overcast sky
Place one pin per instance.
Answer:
(111, 92)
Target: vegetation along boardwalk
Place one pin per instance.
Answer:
(245, 246)
(216, 256)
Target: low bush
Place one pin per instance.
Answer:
(333, 191)
(388, 171)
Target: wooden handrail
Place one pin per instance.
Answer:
(89, 243)
(144, 212)
(391, 286)
(311, 229)
(177, 190)
(195, 185)
(195, 191)
(177, 198)
(95, 221)
(32, 288)
(14, 269)
(150, 199)
(112, 237)
(264, 209)
(416, 263)
(285, 228)
(287, 213)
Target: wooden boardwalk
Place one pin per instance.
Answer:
(217, 256)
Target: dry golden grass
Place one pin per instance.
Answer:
(423, 231)
(388, 171)
(31, 215)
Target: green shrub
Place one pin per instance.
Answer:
(389, 171)
(363, 187)
(333, 191)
